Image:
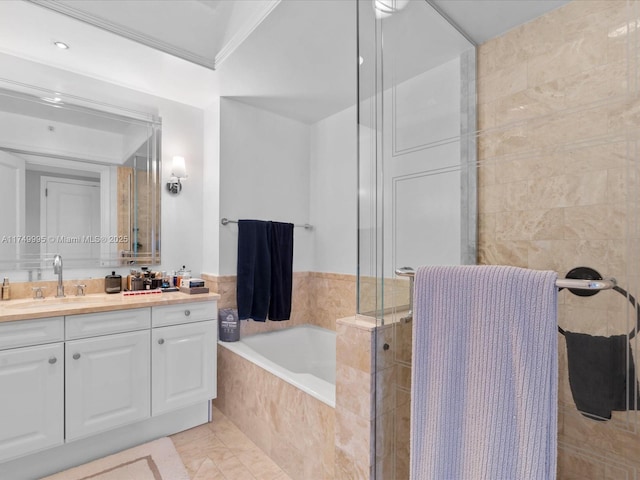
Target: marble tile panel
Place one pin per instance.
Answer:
(600, 437)
(402, 435)
(575, 466)
(505, 81)
(486, 227)
(563, 255)
(530, 225)
(596, 222)
(486, 116)
(624, 115)
(402, 378)
(385, 469)
(489, 199)
(354, 390)
(514, 253)
(489, 141)
(403, 342)
(353, 445)
(606, 154)
(385, 390)
(487, 173)
(530, 168)
(569, 191)
(385, 439)
(573, 56)
(486, 58)
(385, 336)
(354, 348)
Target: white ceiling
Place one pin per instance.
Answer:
(482, 20)
(294, 57)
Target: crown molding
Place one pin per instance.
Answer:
(125, 32)
(243, 33)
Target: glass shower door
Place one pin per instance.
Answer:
(417, 185)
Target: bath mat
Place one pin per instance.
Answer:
(157, 460)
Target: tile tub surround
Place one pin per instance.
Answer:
(318, 298)
(294, 429)
(558, 187)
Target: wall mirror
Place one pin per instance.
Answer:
(77, 178)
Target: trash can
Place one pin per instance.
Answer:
(228, 325)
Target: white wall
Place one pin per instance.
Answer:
(182, 214)
(333, 193)
(264, 174)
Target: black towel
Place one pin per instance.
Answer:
(254, 269)
(281, 248)
(600, 379)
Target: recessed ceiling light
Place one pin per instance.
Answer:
(61, 45)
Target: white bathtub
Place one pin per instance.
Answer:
(304, 356)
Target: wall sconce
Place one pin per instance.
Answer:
(178, 172)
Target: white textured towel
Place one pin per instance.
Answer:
(485, 374)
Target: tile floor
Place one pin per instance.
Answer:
(220, 451)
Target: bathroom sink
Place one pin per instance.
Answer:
(48, 302)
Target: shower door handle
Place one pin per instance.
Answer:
(408, 272)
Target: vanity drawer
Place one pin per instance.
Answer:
(31, 332)
(184, 313)
(103, 323)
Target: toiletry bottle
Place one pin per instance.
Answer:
(6, 289)
(113, 283)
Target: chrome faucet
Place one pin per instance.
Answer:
(57, 270)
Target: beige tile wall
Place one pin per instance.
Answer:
(558, 186)
(317, 298)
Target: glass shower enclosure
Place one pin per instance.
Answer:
(550, 181)
(417, 185)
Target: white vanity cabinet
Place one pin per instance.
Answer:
(107, 382)
(31, 386)
(183, 355)
(79, 386)
(108, 374)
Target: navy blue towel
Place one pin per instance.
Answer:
(281, 248)
(601, 380)
(254, 269)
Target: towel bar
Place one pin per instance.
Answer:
(571, 283)
(225, 221)
(578, 286)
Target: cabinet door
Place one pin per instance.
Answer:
(107, 382)
(184, 365)
(31, 399)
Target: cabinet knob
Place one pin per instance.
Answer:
(53, 360)
(76, 356)
(187, 313)
(160, 341)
